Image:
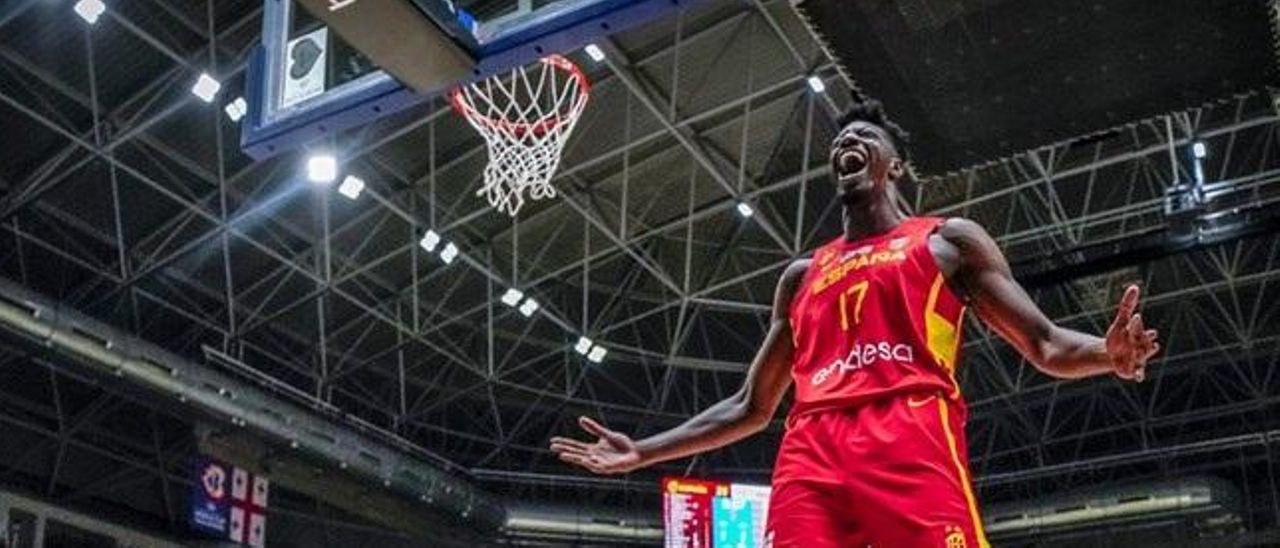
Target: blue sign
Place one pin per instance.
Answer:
(211, 497)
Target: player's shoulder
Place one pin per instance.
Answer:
(962, 232)
(788, 284)
(797, 268)
(793, 275)
(960, 227)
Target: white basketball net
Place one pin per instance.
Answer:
(525, 117)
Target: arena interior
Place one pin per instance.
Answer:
(168, 300)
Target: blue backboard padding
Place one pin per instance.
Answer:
(261, 138)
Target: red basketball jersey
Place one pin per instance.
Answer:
(872, 318)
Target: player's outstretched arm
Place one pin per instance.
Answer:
(746, 412)
(984, 276)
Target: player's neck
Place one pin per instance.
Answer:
(871, 217)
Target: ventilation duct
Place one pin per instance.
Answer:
(340, 440)
(1208, 501)
(312, 429)
(557, 523)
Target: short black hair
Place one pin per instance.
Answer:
(872, 111)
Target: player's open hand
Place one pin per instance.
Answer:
(1129, 343)
(612, 453)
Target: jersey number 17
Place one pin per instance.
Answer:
(859, 292)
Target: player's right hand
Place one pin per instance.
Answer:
(1128, 342)
(612, 453)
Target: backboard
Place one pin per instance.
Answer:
(329, 65)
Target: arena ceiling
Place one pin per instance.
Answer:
(125, 197)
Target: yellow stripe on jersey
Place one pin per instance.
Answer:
(963, 474)
(942, 335)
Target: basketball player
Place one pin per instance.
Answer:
(868, 329)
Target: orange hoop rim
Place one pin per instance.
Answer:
(465, 108)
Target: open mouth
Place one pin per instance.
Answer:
(851, 161)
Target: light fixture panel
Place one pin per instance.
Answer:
(236, 109)
(816, 84)
(597, 354)
(512, 297)
(90, 10)
(429, 241)
(449, 253)
(322, 168)
(583, 346)
(206, 87)
(351, 187)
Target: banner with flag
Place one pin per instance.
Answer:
(230, 503)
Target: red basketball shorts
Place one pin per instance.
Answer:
(892, 473)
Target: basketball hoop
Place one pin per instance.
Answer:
(525, 117)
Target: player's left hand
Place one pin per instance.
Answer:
(1128, 342)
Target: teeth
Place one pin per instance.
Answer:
(851, 161)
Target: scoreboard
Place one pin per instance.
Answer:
(709, 514)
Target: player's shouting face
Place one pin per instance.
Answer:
(863, 161)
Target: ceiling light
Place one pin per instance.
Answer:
(512, 297)
(745, 210)
(816, 84)
(594, 52)
(1199, 150)
(236, 109)
(429, 241)
(597, 354)
(449, 253)
(583, 346)
(322, 168)
(351, 187)
(529, 307)
(89, 10)
(206, 88)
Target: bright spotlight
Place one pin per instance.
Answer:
(449, 253)
(206, 88)
(90, 10)
(1199, 150)
(322, 168)
(512, 297)
(529, 307)
(594, 52)
(429, 241)
(583, 346)
(236, 109)
(816, 84)
(351, 187)
(745, 210)
(597, 354)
